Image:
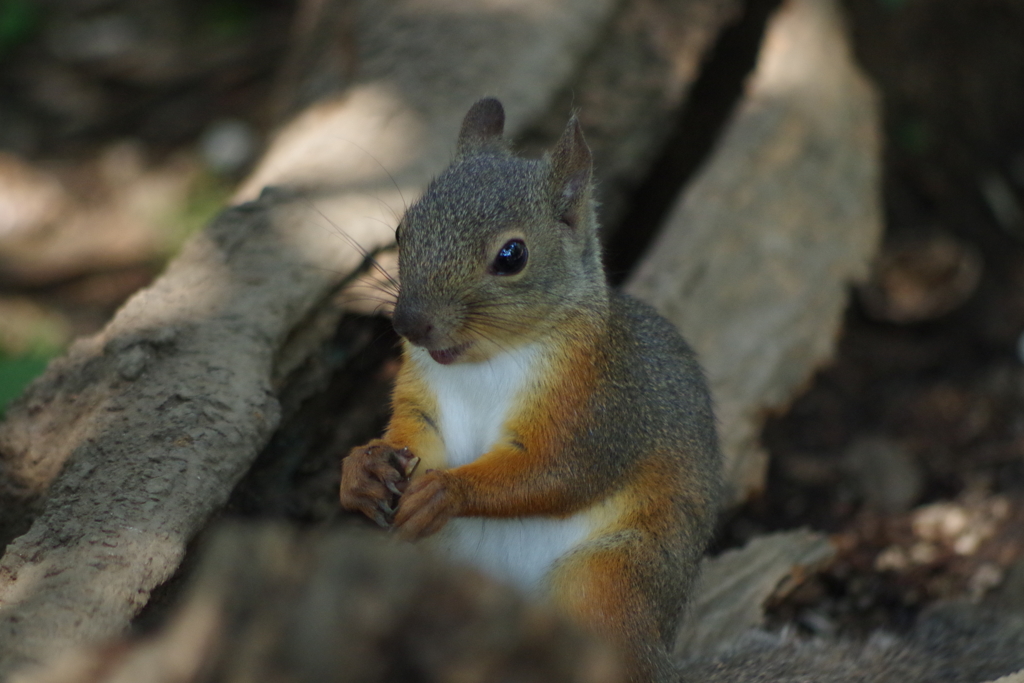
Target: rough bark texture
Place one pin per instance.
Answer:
(755, 261)
(155, 419)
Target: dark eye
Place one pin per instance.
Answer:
(398, 233)
(511, 258)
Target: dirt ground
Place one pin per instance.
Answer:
(909, 448)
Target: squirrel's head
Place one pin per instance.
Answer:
(500, 250)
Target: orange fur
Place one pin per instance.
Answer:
(610, 583)
(412, 401)
(509, 480)
(597, 587)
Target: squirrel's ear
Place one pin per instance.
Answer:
(571, 165)
(483, 126)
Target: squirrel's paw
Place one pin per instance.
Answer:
(426, 506)
(373, 477)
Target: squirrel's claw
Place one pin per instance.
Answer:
(426, 507)
(406, 462)
(410, 467)
(372, 480)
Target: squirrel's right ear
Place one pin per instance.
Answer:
(482, 127)
(571, 167)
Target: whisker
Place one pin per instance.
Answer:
(348, 298)
(481, 333)
(374, 286)
(382, 167)
(377, 285)
(382, 307)
(367, 256)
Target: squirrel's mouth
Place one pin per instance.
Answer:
(450, 355)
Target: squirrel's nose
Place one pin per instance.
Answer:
(413, 324)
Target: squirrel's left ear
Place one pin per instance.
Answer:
(482, 127)
(571, 165)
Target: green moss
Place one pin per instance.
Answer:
(15, 374)
(208, 195)
(24, 357)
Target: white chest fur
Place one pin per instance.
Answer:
(474, 399)
(474, 402)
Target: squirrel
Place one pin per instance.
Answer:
(545, 427)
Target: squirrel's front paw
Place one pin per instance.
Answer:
(373, 477)
(426, 506)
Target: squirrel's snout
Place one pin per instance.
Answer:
(413, 324)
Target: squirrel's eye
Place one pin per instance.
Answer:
(398, 233)
(511, 258)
